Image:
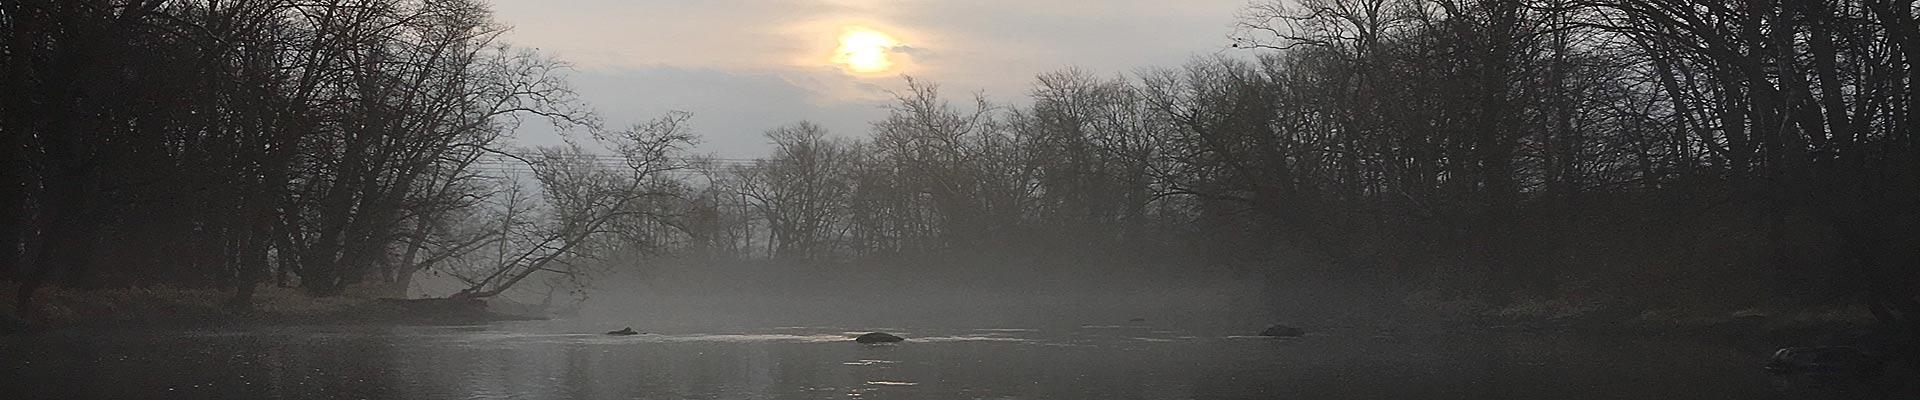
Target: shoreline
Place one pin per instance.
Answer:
(64, 309)
(135, 308)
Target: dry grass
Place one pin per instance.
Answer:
(290, 302)
(65, 307)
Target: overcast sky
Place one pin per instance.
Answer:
(744, 66)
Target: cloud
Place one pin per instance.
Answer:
(917, 53)
(742, 66)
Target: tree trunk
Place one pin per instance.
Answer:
(13, 194)
(66, 244)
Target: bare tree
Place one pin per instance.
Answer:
(588, 204)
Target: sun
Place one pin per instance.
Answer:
(864, 50)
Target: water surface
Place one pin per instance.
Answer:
(562, 360)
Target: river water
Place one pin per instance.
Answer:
(569, 360)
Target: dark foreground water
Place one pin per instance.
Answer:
(560, 360)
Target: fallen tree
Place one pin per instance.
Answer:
(589, 205)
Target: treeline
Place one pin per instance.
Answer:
(937, 179)
(1655, 152)
(1661, 149)
(323, 144)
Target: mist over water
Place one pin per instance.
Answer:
(772, 295)
(713, 332)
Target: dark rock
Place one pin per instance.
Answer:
(878, 337)
(1278, 330)
(11, 325)
(628, 331)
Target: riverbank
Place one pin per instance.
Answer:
(1761, 327)
(65, 308)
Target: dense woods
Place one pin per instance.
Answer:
(226, 144)
(1654, 152)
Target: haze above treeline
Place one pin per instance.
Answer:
(1477, 154)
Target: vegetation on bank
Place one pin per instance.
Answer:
(62, 308)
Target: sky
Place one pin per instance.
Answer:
(742, 67)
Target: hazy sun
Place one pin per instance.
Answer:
(864, 50)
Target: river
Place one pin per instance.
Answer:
(1137, 360)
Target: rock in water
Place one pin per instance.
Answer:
(624, 332)
(1278, 330)
(878, 337)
